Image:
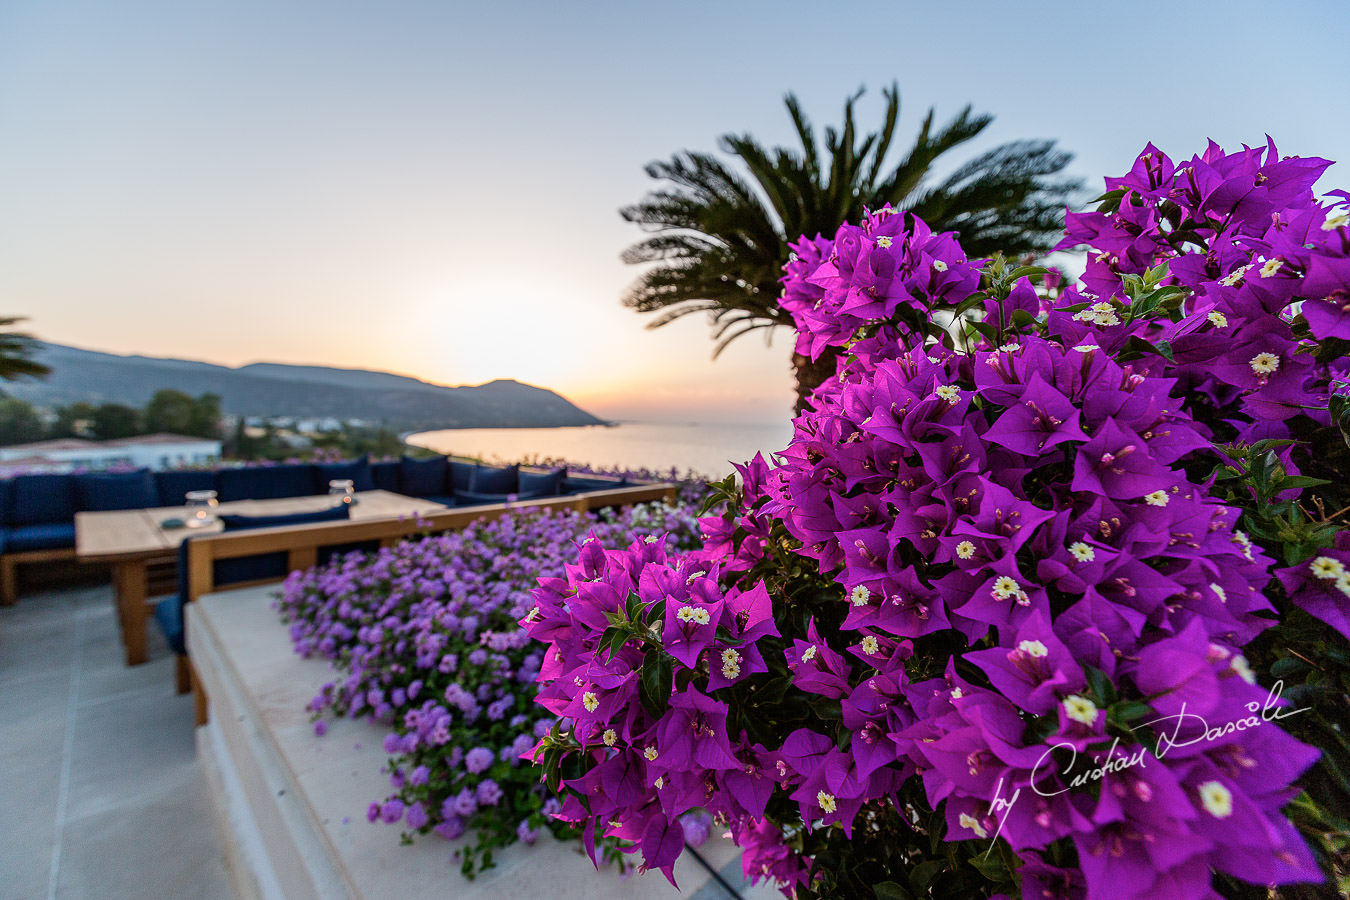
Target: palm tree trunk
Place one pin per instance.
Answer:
(811, 373)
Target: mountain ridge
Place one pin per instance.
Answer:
(400, 402)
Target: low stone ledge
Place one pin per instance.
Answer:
(292, 804)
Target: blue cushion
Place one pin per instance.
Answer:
(542, 484)
(460, 475)
(41, 500)
(385, 476)
(474, 498)
(47, 536)
(235, 522)
(173, 486)
(487, 480)
(580, 485)
(120, 490)
(266, 565)
(443, 499)
(423, 477)
(357, 471)
(169, 612)
(266, 482)
(169, 617)
(6, 488)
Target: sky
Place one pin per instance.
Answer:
(432, 188)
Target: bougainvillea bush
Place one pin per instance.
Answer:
(1049, 595)
(425, 638)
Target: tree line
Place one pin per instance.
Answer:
(168, 411)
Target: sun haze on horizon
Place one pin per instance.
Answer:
(433, 189)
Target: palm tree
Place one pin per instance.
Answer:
(15, 350)
(720, 239)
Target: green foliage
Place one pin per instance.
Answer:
(113, 420)
(178, 413)
(16, 350)
(719, 235)
(19, 422)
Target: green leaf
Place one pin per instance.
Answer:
(889, 890)
(657, 681)
(1289, 665)
(1021, 272)
(1300, 481)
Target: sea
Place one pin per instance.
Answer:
(703, 448)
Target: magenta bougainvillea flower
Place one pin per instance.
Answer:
(1000, 588)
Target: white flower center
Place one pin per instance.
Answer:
(970, 823)
(1080, 709)
(1271, 267)
(696, 614)
(731, 664)
(650, 753)
(949, 393)
(884, 241)
(1217, 319)
(1216, 799)
(826, 802)
(590, 701)
(939, 265)
(1265, 363)
(860, 595)
(610, 737)
(1034, 649)
(965, 549)
(809, 653)
(1082, 551)
(870, 645)
(1327, 567)
(1157, 498)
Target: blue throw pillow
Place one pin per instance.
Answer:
(41, 500)
(542, 484)
(119, 490)
(385, 475)
(461, 473)
(266, 482)
(495, 481)
(357, 471)
(423, 477)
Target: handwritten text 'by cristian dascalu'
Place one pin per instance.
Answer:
(1261, 713)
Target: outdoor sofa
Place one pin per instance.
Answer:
(37, 511)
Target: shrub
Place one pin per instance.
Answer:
(1048, 594)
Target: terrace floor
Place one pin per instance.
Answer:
(102, 796)
(100, 788)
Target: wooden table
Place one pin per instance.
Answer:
(132, 540)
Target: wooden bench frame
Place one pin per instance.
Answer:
(302, 542)
(9, 568)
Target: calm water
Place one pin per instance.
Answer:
(707, 449)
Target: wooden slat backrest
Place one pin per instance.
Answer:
(302, 542)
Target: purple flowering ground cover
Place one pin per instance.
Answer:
(424, 637)
(1049, 595)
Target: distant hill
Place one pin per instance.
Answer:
(274, 389)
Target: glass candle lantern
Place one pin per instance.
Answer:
(342, 490)
(201, 508)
